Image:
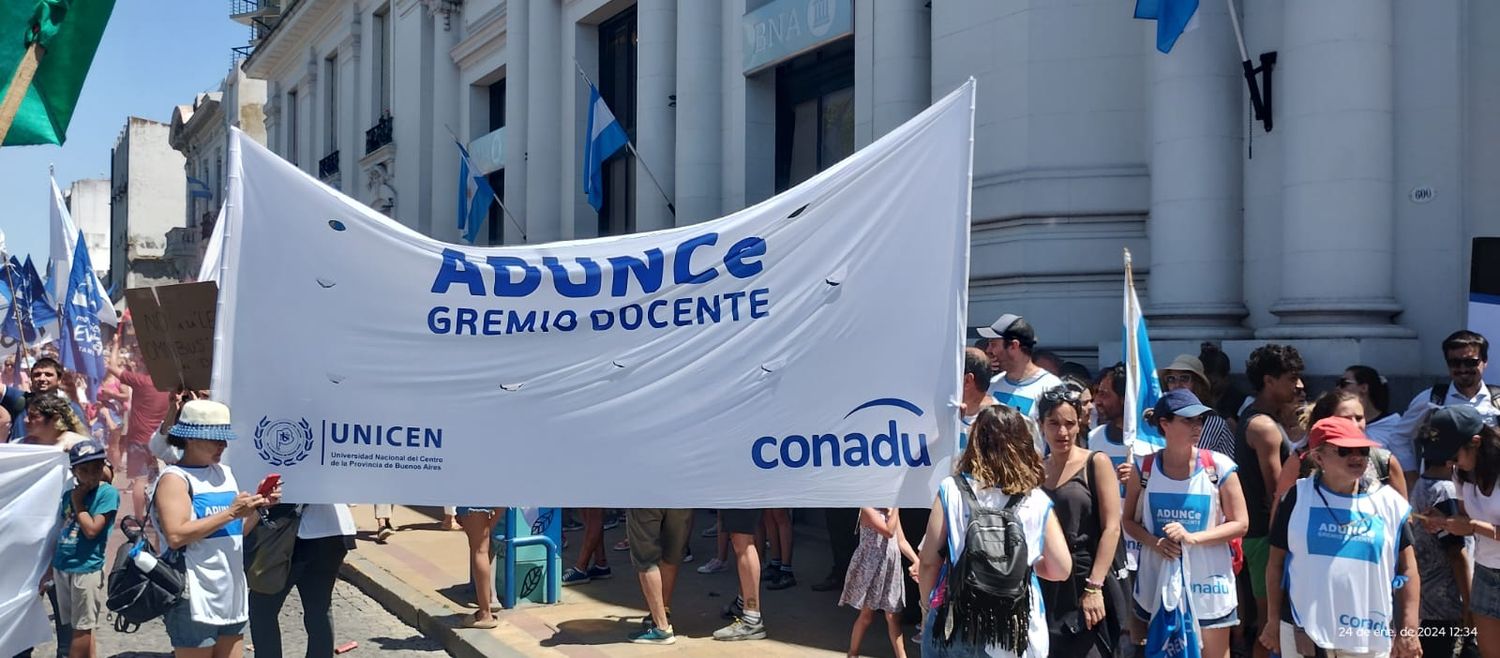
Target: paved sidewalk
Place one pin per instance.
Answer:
(421, 573)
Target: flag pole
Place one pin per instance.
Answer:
(19, 83)
(631, 145)
(1130, 283)
(495, 198)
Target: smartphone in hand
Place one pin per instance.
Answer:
(268, 484)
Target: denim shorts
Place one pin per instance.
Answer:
(188, 634)
(1485, 593)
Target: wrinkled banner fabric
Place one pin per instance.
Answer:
(31, 486)
(803, 352)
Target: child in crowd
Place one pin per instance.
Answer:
(88, 512)
(873, 581)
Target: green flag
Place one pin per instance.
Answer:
(68, 32)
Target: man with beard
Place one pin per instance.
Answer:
(1467, 354)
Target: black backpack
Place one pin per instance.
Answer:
(988, 598)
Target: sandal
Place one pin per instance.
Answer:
(470, 621)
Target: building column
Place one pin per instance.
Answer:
(655, 125)
(543, 122)
(1197, 97)
(698, 157)
(1336, 95)
(892, 65)
(517, 53)
(444, 169)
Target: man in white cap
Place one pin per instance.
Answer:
(1020, 382)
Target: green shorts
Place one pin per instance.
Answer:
(1257, 553)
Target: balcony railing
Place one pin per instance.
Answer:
(380, 135)
(329, 165)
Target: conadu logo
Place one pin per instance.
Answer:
(887, 446)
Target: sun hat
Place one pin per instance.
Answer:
(1188, 363)
(203, 419)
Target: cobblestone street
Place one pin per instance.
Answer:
(355, 617)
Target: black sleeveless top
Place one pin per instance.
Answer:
(1252, 482)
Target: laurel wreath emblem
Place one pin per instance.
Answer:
(282, 442)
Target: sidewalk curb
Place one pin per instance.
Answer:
(417, 610)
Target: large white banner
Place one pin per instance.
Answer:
(31, 486)
(801, 352)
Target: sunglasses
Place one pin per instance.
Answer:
(1173, 380)
(1348, 452)
(1470, 362)
(1062, 393)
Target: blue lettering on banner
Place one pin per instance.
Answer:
(890, 447)
(1215, 585)
(1190, 510)
(1344, 533)
(585, 278)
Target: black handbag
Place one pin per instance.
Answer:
(142, 585)
(270, 546)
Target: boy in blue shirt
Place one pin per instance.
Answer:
(88, 512)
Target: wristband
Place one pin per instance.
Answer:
(1090, 583)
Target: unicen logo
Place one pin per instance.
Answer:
(892, 447)
(283, 442)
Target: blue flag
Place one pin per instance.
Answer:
(1171, 16)
(81, 345)
(1142, 389)
(28, 308)
(474, 196)
(605, 136)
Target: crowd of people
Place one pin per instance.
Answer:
(1333, 524)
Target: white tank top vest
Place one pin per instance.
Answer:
(1194, 503)
(1341, 563)
(1099, 440)
(1033, 513)
(217, 591)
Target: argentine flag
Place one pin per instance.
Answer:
(474, 195)
(1173, 17)
(605, 137)
(1142, 389)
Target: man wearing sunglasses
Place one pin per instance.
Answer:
(1467, 353)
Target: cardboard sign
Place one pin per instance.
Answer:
(175, 328)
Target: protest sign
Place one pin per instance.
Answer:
(175, 328)
(803, 352)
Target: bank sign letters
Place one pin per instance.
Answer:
(801, 352)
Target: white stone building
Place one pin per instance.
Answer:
(200, 132)
(88, 203)
(1087, 141)
(146, 201)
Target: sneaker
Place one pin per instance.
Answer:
(654, 635)
(597, 572)
(650, 622)
(741, 630)
(383, 534)
(571, 524)
(732, 611)
(712, 566)
(612, 522)
(687, 556)
(710, 533)
(575, 577)
(623, 545)
(782, 580)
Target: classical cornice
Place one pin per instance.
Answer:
(486, 33)
(298, 25)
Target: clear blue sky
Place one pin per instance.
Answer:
(155, 55)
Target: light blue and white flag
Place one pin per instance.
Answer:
(1142, 389)
(1173, 17)
(81, 344)
(66, 238)
(474, 196)
(605, 137)
(198, 189)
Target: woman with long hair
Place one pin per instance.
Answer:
(999, 463)
(1187, 504)
(1083, 611)
(50, 420)
(1342, 403)
(1478, 472)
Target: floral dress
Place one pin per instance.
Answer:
(873, 581)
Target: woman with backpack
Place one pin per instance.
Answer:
(1083, 611)
(200, 511)
(990, 530)
(1341, 403)
(1186, 503)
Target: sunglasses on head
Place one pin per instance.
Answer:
(1062, 393)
